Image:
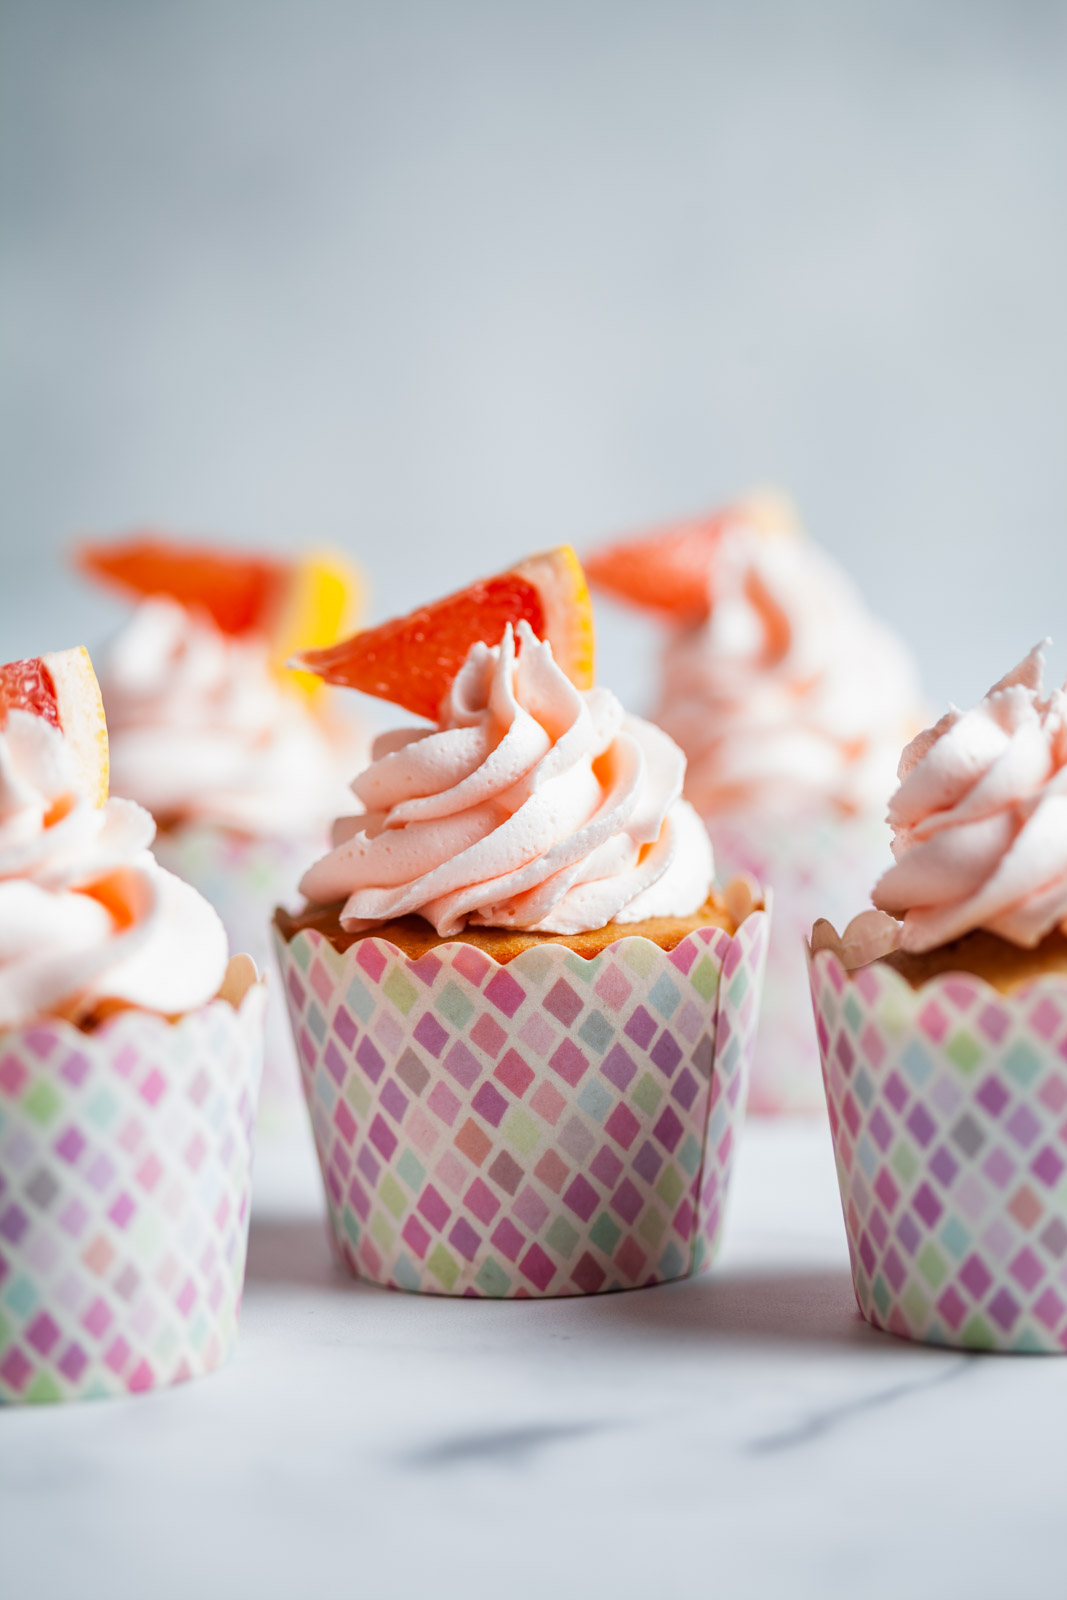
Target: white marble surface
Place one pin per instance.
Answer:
(742, 1435)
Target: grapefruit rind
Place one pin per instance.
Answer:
(558, 577)
(411, 661)
(292, 603)
(62, 689)
(670, 570)
(81, 718)
(322, 600)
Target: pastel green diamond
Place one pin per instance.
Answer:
(400, 990)
(931, 1263)
(562, 1237)
(963, 1051)
(521, 1131)
(453, 1004)
(393, 1196)
(670, 1187)
(41, 1102)
(444, 1267)
(647, 1095)
(381, 1232)
(705, 977)
(605, 1233)
(652, 1225)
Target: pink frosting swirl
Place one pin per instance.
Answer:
(531, 805)
(86, 914)
(201, 730)
(791, 693)
(980, 819)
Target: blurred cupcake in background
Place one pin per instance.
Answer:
(791, 702)
(242, 764)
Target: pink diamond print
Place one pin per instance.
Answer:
(97, 1319)
(512, 1070)
(471, 963)
(488, 1035)
(13, 1075)
(1053, 1093)
(319, 979)
(1004, 1309)
(1027, 1270)
(507, 1238)
(504, 992)
(530, 1208)
(481, 1200)
(547, 1101)
(1049, 1309)
(15, 1369)
(933, 1021)
(443, 1102)
(872, 1045)
(371, 959)
(994, 1021)
(415, 1235)
(536, 1033)
(537, 1266)
(1045, 1018)
(613, 988)
(154, 1086)
(952, 1307)
(975, 1276)
(42, 1333)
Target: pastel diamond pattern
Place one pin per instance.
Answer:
(125, 1179)
(245, 877)
(819, 866)
(947, 1108)
(554, 1126)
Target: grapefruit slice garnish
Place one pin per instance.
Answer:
(303, 602)
(61, 688)
(411, 661)
(671, 569)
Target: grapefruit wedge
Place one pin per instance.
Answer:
(303, 602)
(411, 661)
(62, 689)
(671, 570)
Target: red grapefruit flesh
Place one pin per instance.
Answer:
(61, 688)
(411, 661)
(239, 591)
(671, 570)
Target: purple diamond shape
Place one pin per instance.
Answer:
(975, 1276)
(922, 1124)
(993, 1096)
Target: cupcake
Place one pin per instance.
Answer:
(942, 1022)
(791, 702)
(242, 764)
(130, 1057)
(523, 1013)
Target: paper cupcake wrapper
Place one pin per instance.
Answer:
(821, 866)
(125, 1178)
(553, 1126)
(245, 878)
(948, 1106)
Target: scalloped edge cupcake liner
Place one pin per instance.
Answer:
(245, 877)
(125, 1186)
(816, 866)
(552, 1126)
(948, 1109)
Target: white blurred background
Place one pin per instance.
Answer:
(445, 283)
